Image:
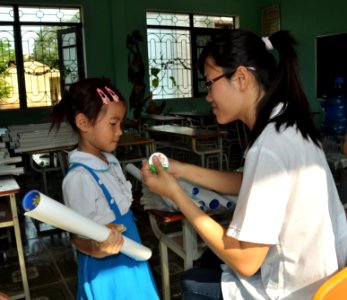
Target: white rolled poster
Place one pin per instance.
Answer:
(205, 199)
(211, 199)
(135, 171)
(52, 212)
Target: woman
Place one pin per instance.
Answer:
(288, 233)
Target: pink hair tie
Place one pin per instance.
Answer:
(267, 43)
(113, 94)
(105, 99)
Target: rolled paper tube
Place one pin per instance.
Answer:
(213, 204)
(226, 204)
(199, 203)
(210, 198)
(230, 200)
(134, 171)
(195, 190)
(222, 201)
(47, 210)
(213, 199)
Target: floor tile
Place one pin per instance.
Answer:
(56, 291)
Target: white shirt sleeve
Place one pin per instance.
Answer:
(263, 198)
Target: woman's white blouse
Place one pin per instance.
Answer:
(288, 199)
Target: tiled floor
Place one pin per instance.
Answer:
(49, 257)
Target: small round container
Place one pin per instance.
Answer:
(163, 159)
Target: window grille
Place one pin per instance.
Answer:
(174, 42)
(40, 54)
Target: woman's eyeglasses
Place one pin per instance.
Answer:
(208, 84)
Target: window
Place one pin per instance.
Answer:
(331, 62)
(174, 42)
(40, 54)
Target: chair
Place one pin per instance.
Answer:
(185, 243)
(334, 288)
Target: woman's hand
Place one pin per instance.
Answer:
(163, 182)
(176, 168)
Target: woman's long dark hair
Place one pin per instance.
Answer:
(281, 81)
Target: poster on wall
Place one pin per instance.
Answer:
(270, 19)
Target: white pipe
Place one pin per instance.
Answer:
(47, 210)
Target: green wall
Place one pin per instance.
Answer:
(131, 19)
(106, 25)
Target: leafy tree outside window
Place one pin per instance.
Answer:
(7, 53)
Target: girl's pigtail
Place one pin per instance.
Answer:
(61, 111)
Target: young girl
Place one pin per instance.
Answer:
(96, 187)
(288, 233)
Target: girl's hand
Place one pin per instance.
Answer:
(111, 246)
(164, 182)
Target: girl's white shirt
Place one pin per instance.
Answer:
(288, 199)
(82, 193)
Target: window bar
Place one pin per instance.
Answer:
(19, 59)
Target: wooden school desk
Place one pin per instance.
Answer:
(37, 139)
(195, 135)
(163, 119)
(134, 155)
(9, 188)
(202, 119)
